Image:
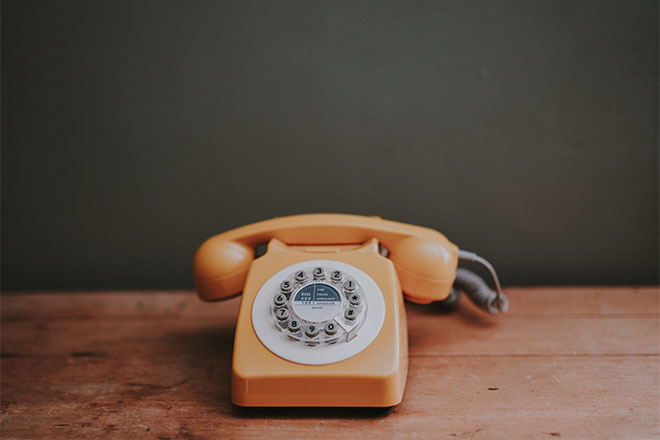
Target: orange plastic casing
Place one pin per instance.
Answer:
(375, 377)
(421, 261)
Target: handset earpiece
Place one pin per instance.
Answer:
(220, 268)
(426, 267)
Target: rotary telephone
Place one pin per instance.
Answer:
(322, 320)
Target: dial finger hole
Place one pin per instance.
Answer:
(294, 325)
(282, 314)
(286, 286)
(312, 330)
(330, 328)
(355, 298)
(279, 300)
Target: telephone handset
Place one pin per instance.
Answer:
(321, 321)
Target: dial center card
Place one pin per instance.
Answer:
(317, 302)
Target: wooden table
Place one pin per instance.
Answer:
(564, 362)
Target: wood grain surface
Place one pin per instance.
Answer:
(563, 363)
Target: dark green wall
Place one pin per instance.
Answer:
(524, 130)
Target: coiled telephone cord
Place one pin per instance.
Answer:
(479, 292)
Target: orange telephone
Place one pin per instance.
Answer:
(322, 321)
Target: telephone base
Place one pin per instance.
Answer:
(349, 374)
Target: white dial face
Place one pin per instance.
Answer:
(318, 305)
(318, 312)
